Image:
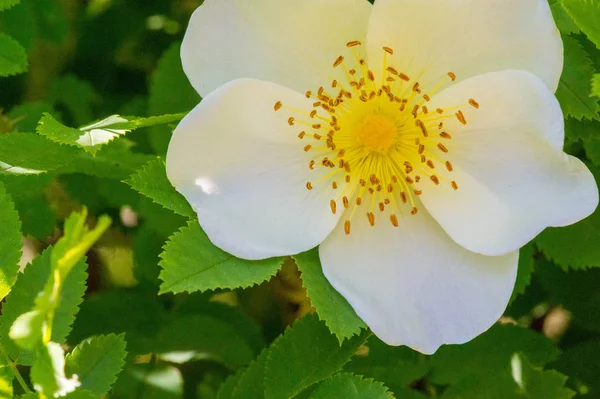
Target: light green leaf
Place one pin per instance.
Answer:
(10, 242)
(48, 372)
(13, 59)
(5, 4)
(596, 85)
(97, 362)
(95, 135)
(586, 14)
(152, 182)
(23, 295)
(190, 262)
(80, 394)
(574, 88)
(331, 306)
(6, 380)
(170, 92)
(304, 355)
(350, 386)
(489, 353)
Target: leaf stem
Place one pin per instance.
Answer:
(14, 369)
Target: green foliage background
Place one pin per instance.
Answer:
(141, 305)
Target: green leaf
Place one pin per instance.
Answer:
(578, 363)
(331, 306)
(574, 246)
(75, 95)
(152, 182)
(23, 295)
(137, 314)
(586, 14)
(10, 243)
(574, 88)
(6, 380)
(5, 4)
(48, 372)
(95, 135)
(489, 353)
(304, 355)
(190, 262)
(526, 265)
(204, 337)
(583, 129)
(350, 386)
(564, 22)
(112, 161)
(27, 115)
(596, 85)
(226, 388)
(170, 93)
(80, 394)
(97, 362)
(251, 382)
(576, 290)
(155, 381)
(396, 366)
(41, 154)
(13, 59)
(522, 380)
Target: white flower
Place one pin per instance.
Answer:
(418, 142)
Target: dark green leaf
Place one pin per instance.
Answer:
(396, 366)
(152, 182)
(170, 93)
(489, 353)
(13, 59)
(596, 85)
(580, 364)
(526, 264)
(190, 262)
(155, 381)
(41, 154)
(204, 336)
(331, 306)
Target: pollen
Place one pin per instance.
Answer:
(373, 142)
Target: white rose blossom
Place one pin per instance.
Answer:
(417, 142)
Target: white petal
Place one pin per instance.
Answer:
(468, 37)
(413, 285)
(244, 170)
(293, 43)
(513, 178)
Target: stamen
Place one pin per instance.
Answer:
(394, 220)
(278, 105)
(347, 227)
(333, 206)
(371, 218)
(474, 103)
(461, 117)
(388, 50)
(338, 62)
(353, 43)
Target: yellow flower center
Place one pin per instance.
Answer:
(376, 133)
(378, 140)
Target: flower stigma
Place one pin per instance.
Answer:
(378, 139)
